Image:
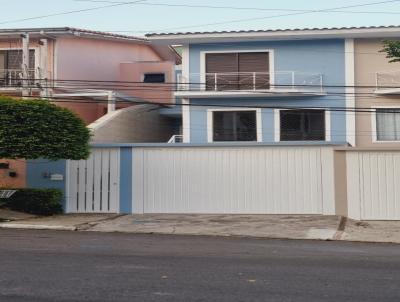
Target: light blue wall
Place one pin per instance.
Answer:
(38, 171)
(326, 57)
(125, 188)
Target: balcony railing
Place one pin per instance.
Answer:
(255, 81)
(177, 138)
(389, 81)
(14, 78)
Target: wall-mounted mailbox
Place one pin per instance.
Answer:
(57, 177)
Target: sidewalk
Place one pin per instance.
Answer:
(260, 226)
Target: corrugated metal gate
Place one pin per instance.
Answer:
(252, 180)
(373, 185)
(93, 184)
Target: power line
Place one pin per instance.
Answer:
(241, 8)
(270, 17)
(71, 12)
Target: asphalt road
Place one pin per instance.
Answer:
(86, 266)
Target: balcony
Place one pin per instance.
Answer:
(388, 83)
(11, 79)
(250, 84)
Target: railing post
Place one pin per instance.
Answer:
(215, 82)
(254, 81)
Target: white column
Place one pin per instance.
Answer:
(186, 120)
(350, 90)
(25, 64)
(111, 102)
(43, 68)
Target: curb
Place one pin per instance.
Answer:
(37, 227)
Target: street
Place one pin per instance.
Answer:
(90, 266)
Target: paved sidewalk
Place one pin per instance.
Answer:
(68, 222)
(266, 226)
(262, 226)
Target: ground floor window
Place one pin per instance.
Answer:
(234, 126)
(302, 125)
(388, 124)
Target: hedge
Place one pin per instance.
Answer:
(36, 201)
(32, 129)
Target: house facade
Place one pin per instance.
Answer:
(273, 122)
(238, 88)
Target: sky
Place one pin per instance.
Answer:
(140, 17)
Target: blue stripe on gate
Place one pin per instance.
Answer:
(125, 183)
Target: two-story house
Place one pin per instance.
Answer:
(68, 62)
(279, 87)
(91, 73)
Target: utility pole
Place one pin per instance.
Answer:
(25, 64)
(111, 102)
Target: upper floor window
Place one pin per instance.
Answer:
(237, 71)
(12, 59)
(302, 125)
(388, 124)
(154, 78)
(234, 126)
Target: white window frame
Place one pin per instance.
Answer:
(271, 62)
(374, 129)
(210, 123)
(36, 49)
(277, 124)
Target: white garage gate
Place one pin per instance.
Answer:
(373, 185)
(251, 180)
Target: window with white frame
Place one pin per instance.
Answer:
(388, 124)
(234, 125)
(302, 125)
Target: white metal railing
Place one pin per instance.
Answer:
(177, 138)
(387, 80)
(15, 78)
(279, 80)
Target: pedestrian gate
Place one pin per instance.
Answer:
(93, 184)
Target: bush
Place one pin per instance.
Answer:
(36, 201)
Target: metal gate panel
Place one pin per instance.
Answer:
(374, 185)
(93, 184)
(252, 180)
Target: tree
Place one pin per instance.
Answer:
(392, 49)
(32, 129)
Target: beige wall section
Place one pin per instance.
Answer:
(368, 61)
(134, 72)
(136, 124)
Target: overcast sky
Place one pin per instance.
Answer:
(156, 15)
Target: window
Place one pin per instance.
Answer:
(388, 124)
(234, 126)
(302, 125)
(154, 78)
(237, 71)
(12, 59)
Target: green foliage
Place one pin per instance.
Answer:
(32, 129)
(36, 201)
(392, 49)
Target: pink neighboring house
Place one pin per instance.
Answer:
(60, 54)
